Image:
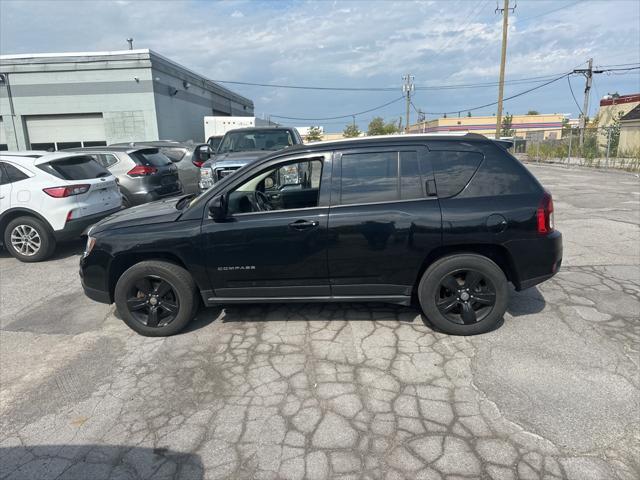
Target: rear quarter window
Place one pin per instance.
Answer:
(75, 168)
(152, 158)
(501, 174)
(452, 170)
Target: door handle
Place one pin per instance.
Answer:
(303, 224)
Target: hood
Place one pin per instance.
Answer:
(160, 211)
(236, 158)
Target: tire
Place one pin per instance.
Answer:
(126, 203)
(452, 295)
(40, 242)
(141, 282)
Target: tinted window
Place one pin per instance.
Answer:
(410, 180)
(75, 168)
(453, 170)
(369, 177)
(106, 159)
(150, 157)
(174, 154)
(4, 179)
(501, 174)
(13, 174)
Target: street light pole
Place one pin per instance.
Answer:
(503, 59)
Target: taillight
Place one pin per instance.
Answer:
(141, 171)
(545, 214)
(197, 163)
(60, 192)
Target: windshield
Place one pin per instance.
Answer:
(255, 140)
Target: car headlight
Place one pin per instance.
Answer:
(206, 178)
(91, 242)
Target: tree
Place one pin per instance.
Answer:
(507, 131)
(313, 135)
(533, 112)
(351, 130)
(377, 126)
(469, 114)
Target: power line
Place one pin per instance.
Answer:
(572, 94)
(550, 11)
(337, 117)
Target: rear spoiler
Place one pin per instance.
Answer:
(503, 143)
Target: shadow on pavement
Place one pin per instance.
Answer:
(97, 462)
(526, 302)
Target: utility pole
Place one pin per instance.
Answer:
(503, 58)
(588, 73)
(407, 88)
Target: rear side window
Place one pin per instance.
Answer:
(174, 154)
(380, 177)
(152, 158)
(75, 168)
(369, 177)
(12, 174)
(453, 170)
(501, 174)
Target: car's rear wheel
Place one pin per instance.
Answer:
(156, 298)
(464, 294)
(29, 239)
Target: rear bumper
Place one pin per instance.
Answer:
(73, 228)
(158, 193)
(536, 260)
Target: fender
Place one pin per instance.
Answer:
(6, 214)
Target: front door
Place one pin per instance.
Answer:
(274, 241)
(384, 221)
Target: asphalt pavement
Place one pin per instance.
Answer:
(307, 391)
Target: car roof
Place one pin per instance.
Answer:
(112, 148)
(159, 143)
(36, 157)
(256, 129)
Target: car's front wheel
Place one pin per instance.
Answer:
(29, 239)
(156, 298)
(464, 294)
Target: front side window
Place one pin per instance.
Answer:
(380, 177)
(287, 186)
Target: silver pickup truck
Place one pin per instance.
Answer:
(243, 146)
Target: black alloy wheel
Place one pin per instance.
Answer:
(156, 298)
(465, 296)
(153, 301)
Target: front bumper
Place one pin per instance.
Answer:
(73, 229)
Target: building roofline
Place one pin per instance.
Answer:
(20, 56)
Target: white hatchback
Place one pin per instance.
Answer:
(50, 197)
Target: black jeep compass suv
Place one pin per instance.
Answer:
(445, 220)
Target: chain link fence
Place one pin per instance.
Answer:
(603, 147)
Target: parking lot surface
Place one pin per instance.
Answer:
(338, 391)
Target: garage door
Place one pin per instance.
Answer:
(65, 131)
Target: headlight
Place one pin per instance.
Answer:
(206, 178)
(91, 242)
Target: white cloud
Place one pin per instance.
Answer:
(350, 44)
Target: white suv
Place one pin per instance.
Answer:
(49, 197)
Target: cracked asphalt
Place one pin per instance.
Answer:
(338, 391)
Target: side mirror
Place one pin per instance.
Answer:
(205, 153)
(218, 208)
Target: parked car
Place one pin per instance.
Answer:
(46, 198)
(214, 142)
(187, 156)
(242, 146)
(144, 174)
(448, 221)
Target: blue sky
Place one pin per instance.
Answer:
(353, 44)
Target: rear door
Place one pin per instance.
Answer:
(5, 189)
(384, 220)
